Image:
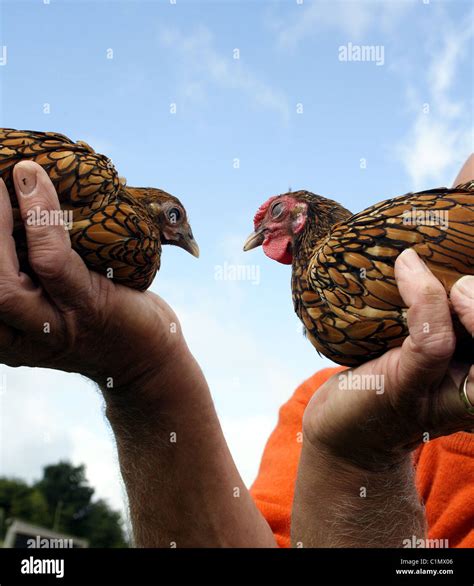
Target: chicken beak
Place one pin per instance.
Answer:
(182, 237)
(255, 239)
(189, 244)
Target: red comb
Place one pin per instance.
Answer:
(262, 210)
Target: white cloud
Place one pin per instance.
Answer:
(47, 416)
(205, 69)
(440, 138)
(433, 151)
(353, 18)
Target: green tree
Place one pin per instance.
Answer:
(104, 524)
(67, 493)
(62, 500)
(20, 501)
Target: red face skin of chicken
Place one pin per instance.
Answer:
(280, 219)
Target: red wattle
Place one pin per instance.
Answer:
(279, 249)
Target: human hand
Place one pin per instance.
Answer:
(379, 411)
(376, 413)
(75, 319)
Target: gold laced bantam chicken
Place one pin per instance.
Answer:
(343, 283)
(118, 230)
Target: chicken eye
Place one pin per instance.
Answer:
(277, 210)
(174, 215)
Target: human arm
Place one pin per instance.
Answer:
(130, 343)
(355, 484)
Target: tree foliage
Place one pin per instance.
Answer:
(62, 501)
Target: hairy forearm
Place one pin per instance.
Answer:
(183, 486)
(338, 504)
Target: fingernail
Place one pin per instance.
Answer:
(465, 285)
(412, 261)
(27, 181)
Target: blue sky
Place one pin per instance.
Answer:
(409, 119)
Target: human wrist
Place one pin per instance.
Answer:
(135, 341)
(147, 375)
(352, 462)
(350, 444)
(165, 390)
(355, 506)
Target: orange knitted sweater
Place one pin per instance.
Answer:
(444, 474)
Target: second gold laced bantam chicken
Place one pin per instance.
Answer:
(118, 230)
(343, 283)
